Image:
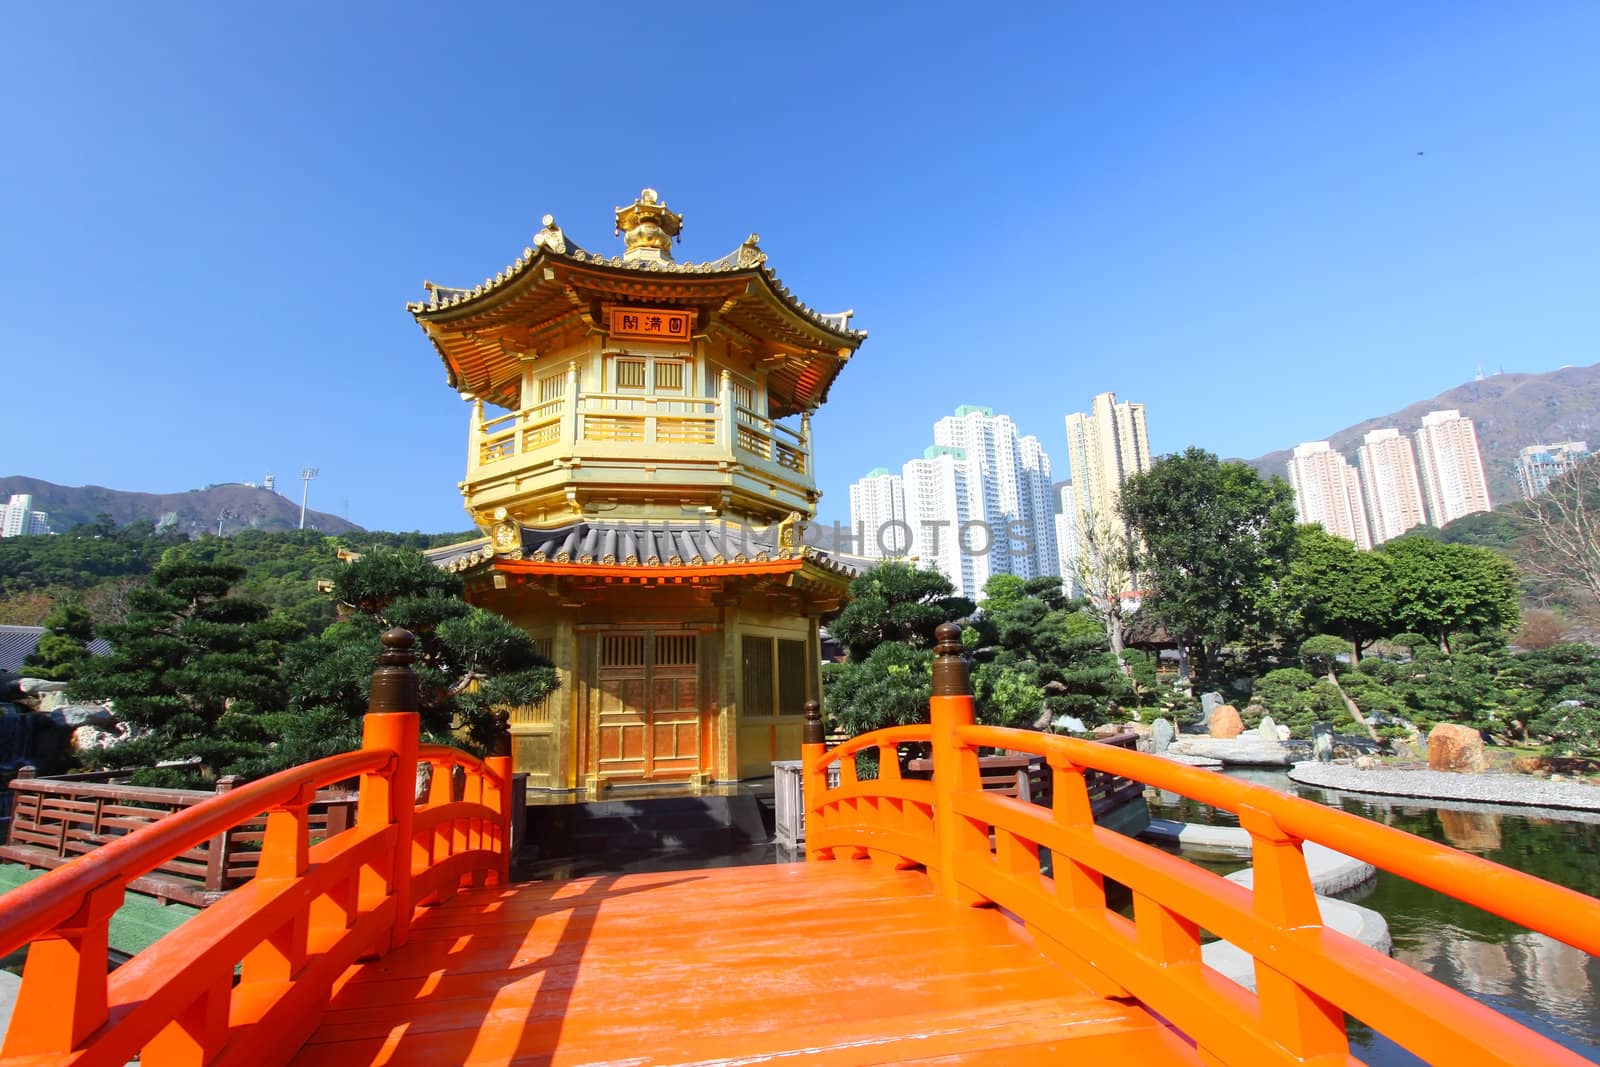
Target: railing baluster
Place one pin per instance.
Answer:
(197, 1033)
(1303, 1022)
(285, 856)
(63, 997)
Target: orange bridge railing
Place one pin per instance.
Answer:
(980, 848)
(245, 981)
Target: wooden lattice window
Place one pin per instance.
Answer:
(774, 676)
(791, 677)
(757, 698)
(675, 650)
(630, 373)
(622, 650)
(669, 375)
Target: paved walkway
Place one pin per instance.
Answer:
(1518, 789)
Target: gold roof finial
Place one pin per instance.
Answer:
(648, 227)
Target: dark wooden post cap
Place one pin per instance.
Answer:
(949, 668)
(500, 745)
(812, 735)
(394, 683)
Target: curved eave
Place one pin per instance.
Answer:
(540, 288)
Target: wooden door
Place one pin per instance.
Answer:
(621, 723)
(647, 723)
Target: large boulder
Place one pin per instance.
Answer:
(1452, 747)
(1322, 741)
(1268, 730)
(1225, 721)
(1209, 702)
(1161, 735)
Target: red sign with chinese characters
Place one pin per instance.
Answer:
(651, 324)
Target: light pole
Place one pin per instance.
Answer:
(306, 474)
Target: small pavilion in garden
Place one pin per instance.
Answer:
(639, 460)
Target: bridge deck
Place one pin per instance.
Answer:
(834, 963)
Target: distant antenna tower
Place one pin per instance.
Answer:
(306, 474)
(270, 483)
(1480, 372)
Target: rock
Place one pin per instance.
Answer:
(1140, 728)
(1455, 748)
(1137, 715)
(1322, 741)
(86, 738)
(1268, 730)
(1246, 751)
(35, 686)
(1107, 729)
(1225, 721)
(1069, 724)
(1209, 702)
(1284, 734)
(73, 716)
(1402, 749)
(1366, 763)
(1161, 735)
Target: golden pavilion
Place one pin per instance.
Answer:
(639, 459)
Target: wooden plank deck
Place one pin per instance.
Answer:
(830, 963)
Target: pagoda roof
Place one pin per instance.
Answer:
(481, 333)
(646, 548)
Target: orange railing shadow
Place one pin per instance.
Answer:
(983, 849)
(245, 982)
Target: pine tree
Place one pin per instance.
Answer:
(195, 672)
(63, 648)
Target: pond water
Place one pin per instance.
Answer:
(1543, 984)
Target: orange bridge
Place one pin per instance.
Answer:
(934, 922)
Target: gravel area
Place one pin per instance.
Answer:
(1517, 789)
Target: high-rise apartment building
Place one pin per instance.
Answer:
(1014, 480)
(1452, 468)
(946, 508)
(1539, 465)
(1327, 491)
(1066, 520)
(1390, 484)
(18, 519)
(1105, 447)
(878, 516)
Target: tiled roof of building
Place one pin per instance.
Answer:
(551, 243)
(18, 642)
(643, 544)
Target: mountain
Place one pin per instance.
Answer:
(239, 506)
(1509, 411)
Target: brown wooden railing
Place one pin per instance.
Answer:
(982, 849)
(55, 820)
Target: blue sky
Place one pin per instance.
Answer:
(1265, 221)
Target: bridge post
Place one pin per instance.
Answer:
(813, 776)
(498, 791)
(955, 767)
(389, 798)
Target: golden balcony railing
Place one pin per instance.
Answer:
(657, 427)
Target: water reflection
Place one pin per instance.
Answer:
(1546, 985)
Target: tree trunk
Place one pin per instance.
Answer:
(1183, 662)
(1114, 638)
(1350, 706)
